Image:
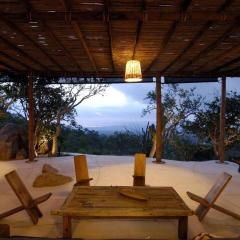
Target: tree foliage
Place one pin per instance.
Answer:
(206, 124)
(178, 104)
(53, 104)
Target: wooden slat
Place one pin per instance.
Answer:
(210, 47)
(20, 208)
(213, 194)
(14, 27)
(202, 31)
(79, 33)
(108, 202)
(24, 196)
(22, 52)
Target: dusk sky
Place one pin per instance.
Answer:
(122, 104)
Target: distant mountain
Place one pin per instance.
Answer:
(119, 128)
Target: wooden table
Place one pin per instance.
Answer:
(108, 202)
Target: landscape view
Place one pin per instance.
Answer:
(120, 119)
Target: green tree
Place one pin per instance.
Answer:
(53, 104)
(179, 104)
(206, 123)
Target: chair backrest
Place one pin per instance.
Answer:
(214, 193)
(139, 169)
(24, 196)
(81, 169)
(218, 187)
(140, 165)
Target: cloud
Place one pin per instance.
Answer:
(111, 98)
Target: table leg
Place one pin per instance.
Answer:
(183, 227)
(67, 227)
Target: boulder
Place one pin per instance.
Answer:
(13, 142)
(47, 168)
(50, 177)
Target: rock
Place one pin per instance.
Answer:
(21, 154)
(48, 179)
(47, 168)
(13, 142)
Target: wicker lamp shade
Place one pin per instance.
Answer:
(133, 72)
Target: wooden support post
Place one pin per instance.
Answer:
(222, 120)
(31, 153)
(158, 121)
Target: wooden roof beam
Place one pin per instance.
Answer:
(184, 7)
(139, 28)
(59, 44)
(198, 36)
(222, 8)
(16, 28)
(50, 33)
(197, 17)
(22, 52)
(221, 55)
(227, 64)
(68, 9)
(17, 61)
(79, 33)
(109, 30)
(210, 47)
(8, 66)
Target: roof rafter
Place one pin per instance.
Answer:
(197, 36)
(138, 31)
(68, 9)
(16, 60)
(210, 47)
(22, 52)
(222, 55)
(227, 64)
(146, 16)
(79, 33)
(16, 28)
(184, 7)
(226, 4)
(51, 34)
(109, 30)
(8, 66)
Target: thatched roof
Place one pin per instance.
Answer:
(97, 37)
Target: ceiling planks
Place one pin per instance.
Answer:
(97, 37)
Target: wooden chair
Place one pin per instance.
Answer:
(139, 169)
(29, 204)
(209, 201)
(81, 171)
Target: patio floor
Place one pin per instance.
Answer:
(196, 177)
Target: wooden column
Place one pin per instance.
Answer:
(222, 120)
(30, 119)
(158, 121)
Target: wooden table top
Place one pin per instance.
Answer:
(108, 202)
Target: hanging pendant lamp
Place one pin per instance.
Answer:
(133, 72)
